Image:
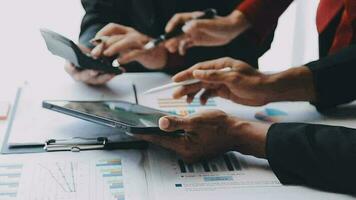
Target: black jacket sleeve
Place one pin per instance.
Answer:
(335, 78)
(98, 13)
(314, 155)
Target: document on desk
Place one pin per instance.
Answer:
(119, 176)
(33, 124)
(163, 100)
(129, 175)
(172, 178)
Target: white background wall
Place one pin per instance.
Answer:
(23, 53)
(296, 38)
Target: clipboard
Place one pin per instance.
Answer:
(74, 144)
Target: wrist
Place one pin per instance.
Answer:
(238, 22)
(295, 84)
(249, 137)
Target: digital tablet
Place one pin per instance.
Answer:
(125, 116)
(65, 48)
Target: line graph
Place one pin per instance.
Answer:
(76, 180)
(60, 177)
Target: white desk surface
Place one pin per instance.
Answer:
(291, 192)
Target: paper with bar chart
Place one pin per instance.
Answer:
(10, 175)
(171, 175)
(179, 106)
(101, 179)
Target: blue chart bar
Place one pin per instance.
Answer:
(10, 166)
(112, 175)
(108, 164)
(8, 194)
(178, 185)
(218, 178)
(111, 171)
(199, 105)
(11, 175)
(10, 184)
(116, 185)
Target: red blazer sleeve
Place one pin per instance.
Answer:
(263, 14)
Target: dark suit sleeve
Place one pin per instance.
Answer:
(335, 78)
(98, 13)
(314, 155)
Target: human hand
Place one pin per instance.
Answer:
(128, 44)
(209, 134)
(243, 84)
(204, 32)
(88, 76)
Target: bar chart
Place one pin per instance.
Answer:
(111, 172)
(10, 175)
(181, 107)
(228, 162)
(63, 180)
(228, 171)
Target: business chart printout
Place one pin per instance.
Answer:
(226, 174)
(74, 179)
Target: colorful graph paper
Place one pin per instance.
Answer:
(10, 175)
(181, 107)
(111, 171)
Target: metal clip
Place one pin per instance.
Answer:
(75, 144)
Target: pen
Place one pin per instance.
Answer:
(177, 84)
(135, 92)
(208, 14)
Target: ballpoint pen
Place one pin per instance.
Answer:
(177, 84)
(208, 14)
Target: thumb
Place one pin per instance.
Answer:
(173, 123)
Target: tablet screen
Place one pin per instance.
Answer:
(131, 114)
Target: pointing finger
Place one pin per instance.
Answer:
(213, 75)
(112, 29)
(181, 18)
